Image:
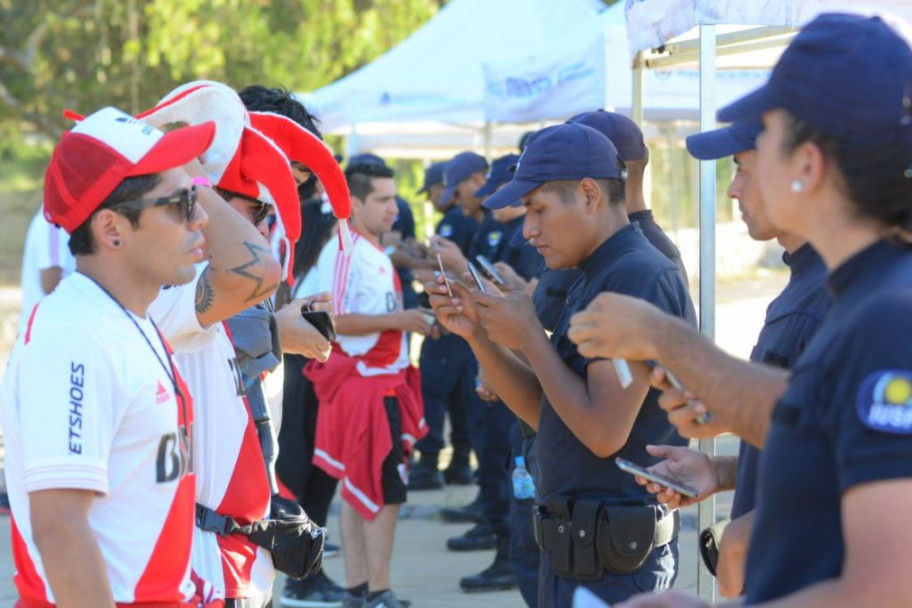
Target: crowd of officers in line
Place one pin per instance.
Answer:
(575, 345)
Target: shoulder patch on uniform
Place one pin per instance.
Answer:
(884, 401)
(494, 238)
(446, 230)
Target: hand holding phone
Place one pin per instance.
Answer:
(490, 270)
(668, 482)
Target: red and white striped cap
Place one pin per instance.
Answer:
(106, 147)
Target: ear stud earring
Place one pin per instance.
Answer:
(797, 186)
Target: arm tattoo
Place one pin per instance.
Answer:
(204, 295)
(259, 291)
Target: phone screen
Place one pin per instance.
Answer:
(474, 272)
(635, 469)
(489, 269)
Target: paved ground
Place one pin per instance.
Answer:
(423, 570)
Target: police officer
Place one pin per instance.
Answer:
(628, 139)
(448, 369)
(834, 166)
(570, 180)
(493, 243)
(791, 320)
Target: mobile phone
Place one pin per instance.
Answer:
(474, 272)
(668, 482)
(443, 274)
(489, 269)
(322, 321)
(429, 315)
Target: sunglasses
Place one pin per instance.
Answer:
(260, 211)
(184, 201)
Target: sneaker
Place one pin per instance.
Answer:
(387, 599)
(425, 476)
(479, 538)
(499, 576)
(316, 591)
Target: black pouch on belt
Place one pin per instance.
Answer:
(293, 540)
(626, 536)
(586, 563)
(710, 541)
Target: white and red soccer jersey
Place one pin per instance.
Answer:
(366, 283)
(231, 474)
(88, 405)
(46, 246)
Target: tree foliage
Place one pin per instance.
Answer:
(85, 54)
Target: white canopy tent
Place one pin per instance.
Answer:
(434, 78)
(654, 24)
(588, 68)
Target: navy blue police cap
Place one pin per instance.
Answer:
(499, 174)
(845, 75)
(561, 152)
(460, 168)
(730, 140)
(432, 175)
(623, 132)
(365, 158)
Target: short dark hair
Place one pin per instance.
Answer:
(613, 189)
(279, 100)
(360, 178)
(81, 241)
(877, 178)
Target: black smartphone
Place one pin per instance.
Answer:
(668, 482)
(322, 321)
(474, 272)
(488, 268)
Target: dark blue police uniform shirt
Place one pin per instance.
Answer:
(791, 320)
(655, 235)
(625, 263)
(844, 420)
(459, 228)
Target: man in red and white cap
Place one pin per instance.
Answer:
(97, 421)
(218, 337)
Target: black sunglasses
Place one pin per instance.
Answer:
(185, 201)
(260, 212)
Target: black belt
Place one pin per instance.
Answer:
(585, 537)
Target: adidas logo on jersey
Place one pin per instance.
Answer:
(162, 394)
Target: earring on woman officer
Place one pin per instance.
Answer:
(797, 186)
(116, 242)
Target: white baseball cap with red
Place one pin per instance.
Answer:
(106, 147)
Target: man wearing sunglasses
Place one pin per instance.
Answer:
(98, 423)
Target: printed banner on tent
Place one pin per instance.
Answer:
(652, 23)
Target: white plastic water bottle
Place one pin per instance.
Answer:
(523, 484)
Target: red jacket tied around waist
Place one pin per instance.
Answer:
(353, 433)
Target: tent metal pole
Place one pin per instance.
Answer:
(352, 146)
(487, 140)
(637, 102)
(707, 508)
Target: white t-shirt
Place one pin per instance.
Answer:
(87, 404)
(231, 474)
(46, 246)
(365, 283)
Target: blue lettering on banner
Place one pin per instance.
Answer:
(520, 87)
(77, 382)
(884, 401)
